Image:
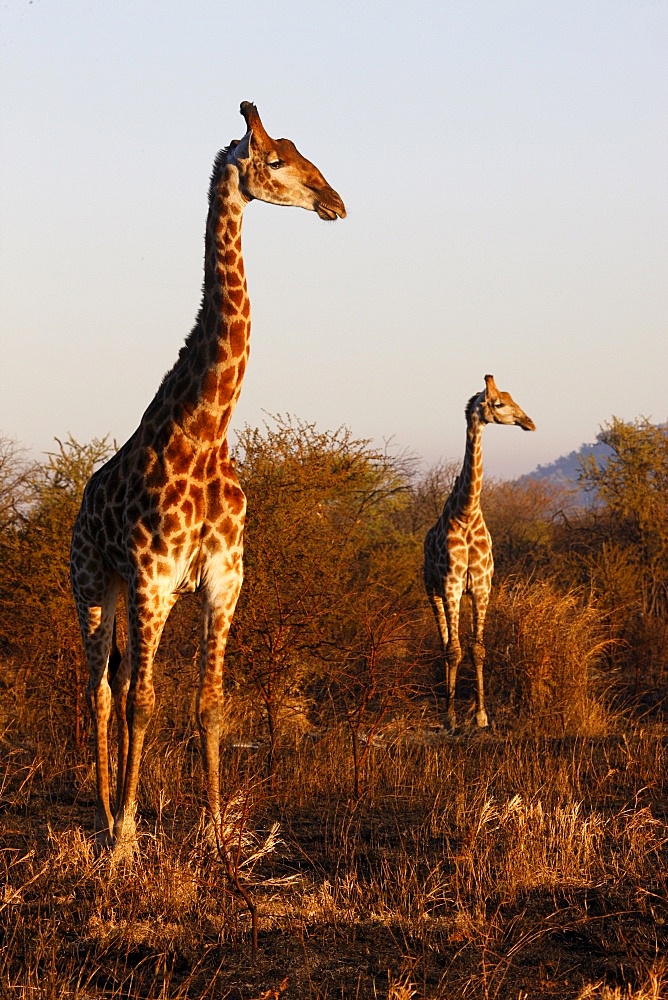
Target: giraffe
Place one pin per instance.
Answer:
(458, 548)
(165, 515)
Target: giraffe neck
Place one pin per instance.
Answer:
(200, 392)
(466, 495)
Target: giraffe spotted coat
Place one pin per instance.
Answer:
(458, 548)
(166, 514)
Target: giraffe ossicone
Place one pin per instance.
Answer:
(165, 515)
(458, 548)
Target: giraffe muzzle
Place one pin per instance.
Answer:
(329, 208)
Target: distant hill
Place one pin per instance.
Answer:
(565, 471)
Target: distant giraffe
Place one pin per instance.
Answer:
(165, 515)
(458, 549)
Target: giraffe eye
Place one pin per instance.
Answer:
(275, 164)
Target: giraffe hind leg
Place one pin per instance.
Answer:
(95, 591)
(99, 703)
(119, 675)
(436, 602)
(97, 626)
(453, 652)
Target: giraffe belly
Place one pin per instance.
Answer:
(210, 565)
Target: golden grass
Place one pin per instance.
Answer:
(527, 861)
(467, 859)
(653, 987)
(547, 651)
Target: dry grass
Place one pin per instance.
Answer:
(526, 861)
(474, 867)
(654, 986)
(547, 654)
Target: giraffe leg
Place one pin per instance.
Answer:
(217, 613)
(146, 620)
(453, 658)
(453, 651)
(99, 704)
(480, 602)
(436, 602)
(96, 622)
(479, 662)
(120, 683)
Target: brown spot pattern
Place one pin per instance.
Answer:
(168, 502)
(458, 555)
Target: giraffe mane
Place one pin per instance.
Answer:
(219, 164)
(470, 406)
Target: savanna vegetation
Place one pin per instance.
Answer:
(386, 857)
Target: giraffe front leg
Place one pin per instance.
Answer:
(478, 651)
(210, 712)
(140, 705)
(217, 616)
(480, 603)
(453, 658)
(453, 652)
(146, 620)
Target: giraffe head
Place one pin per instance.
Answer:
(496, 407)
(274, 170)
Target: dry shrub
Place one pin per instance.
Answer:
(545, 654)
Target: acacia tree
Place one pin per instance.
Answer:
(38, 627)
(371, 672)
(632, 487)
(16, 474)
(320, 506)
(429, 491)
(520, 517)
(622, 543)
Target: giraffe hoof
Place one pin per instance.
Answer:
(481, 719)
(125, 835)
(104, 842)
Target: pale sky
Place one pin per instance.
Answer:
(504, 164)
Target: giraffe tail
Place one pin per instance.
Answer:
(115, 655)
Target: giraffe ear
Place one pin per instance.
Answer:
(240, 150)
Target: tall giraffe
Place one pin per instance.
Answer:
(165, 515)
(458, 549)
